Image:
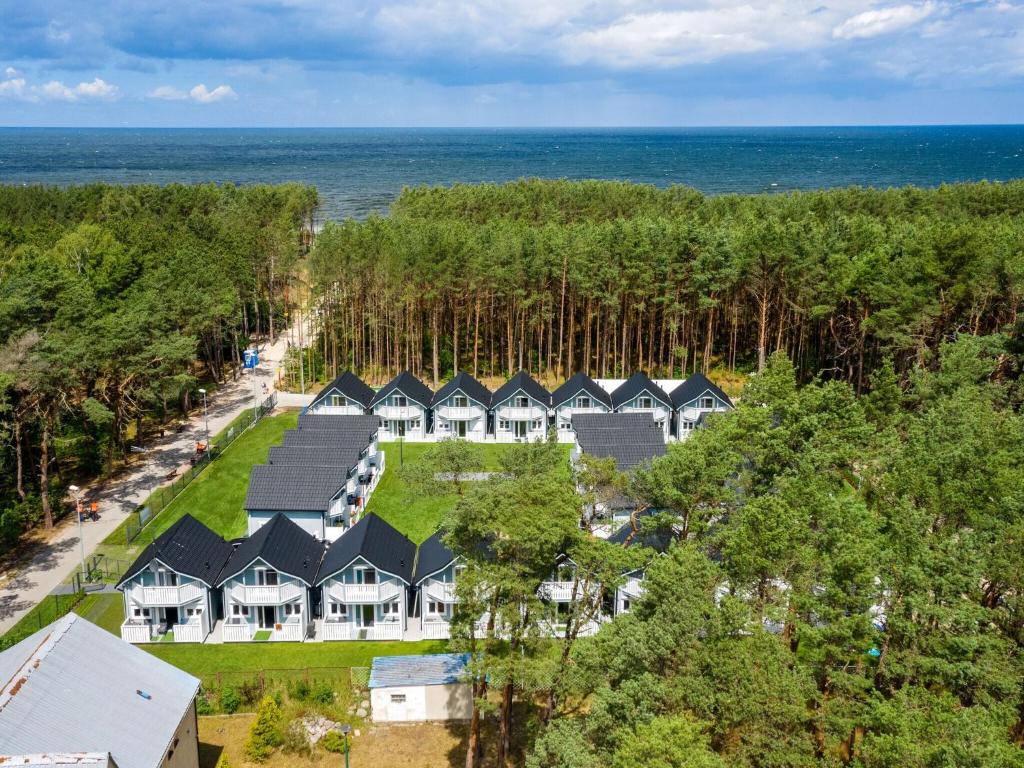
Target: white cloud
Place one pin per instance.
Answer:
(55, 90)
(167, 92)
(883, 21)
(10, 72)
(12, 86)
(204, 96)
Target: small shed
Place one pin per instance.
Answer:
(416, 688)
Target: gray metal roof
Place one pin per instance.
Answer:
(281, 544)
(467, 385)
(580, 382)
(432, 669)
(407, 384)
(522, 381)
(637, 384)
(694, 387)
(629, 438)
(187, 547)
(73, 687)
(293, 488)
(376, 542)
(349, 385)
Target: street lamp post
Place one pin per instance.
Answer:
(345, 731)
(81, 537)
(206, 419)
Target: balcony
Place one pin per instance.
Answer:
(633, 588)
(451, 413)
(136, 632)
(657, 411)
(177, 595)
(265, 594)
(399, 412)
(441, 591)
(347, 630)
(364, 593)
(529, 413)
(561, 591)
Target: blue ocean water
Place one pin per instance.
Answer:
(359, 171)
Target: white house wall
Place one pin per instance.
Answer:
(183, 751)
(422, 702)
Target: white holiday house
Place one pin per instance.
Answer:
(580, 394)
(693, 400)
(403, 407)
(520, 409)
(347, 395)
(461, 409)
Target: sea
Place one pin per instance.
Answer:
(359, 172)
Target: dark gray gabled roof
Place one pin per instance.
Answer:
(694, 387)
(406, 384)
(522, 381)
(629, 438)
(377, 543)
(349, 385)
(580, 382)
(468, 386)
(432, 556)
(362, 427)
(281, 544)
(636, 384)
(188, 547)
(293, 488)
(342, 457)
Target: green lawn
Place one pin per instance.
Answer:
(216, 496)
(415, 515)
(105, 610)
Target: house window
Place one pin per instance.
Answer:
(707, 403)
(646, 402)
(398, 698)
(266, 577)
(536, 424)
(239, 610)
(625, 605)
(414, 424)
(686, 426)
(389, 608)
(435, 608)
(385, 423)
(565, 426)
(338, 400)
(522, 402)
(460, 401)
(339, 609)
(582, 402)
(502, 424)
(400, 401)
(291, 608)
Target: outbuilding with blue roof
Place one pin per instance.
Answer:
(417, 688)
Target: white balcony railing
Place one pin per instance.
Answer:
(265, 594)
(633, 587)
(527, 413)
(347, 630)
(452, 413)
(235, 633)
(399, 412)
(177, 595)
(657, 411)
(364, 593)
(290, 631)
(136, 633)
(188, 633)
(561, 591)
(441, 590)
(436, 629)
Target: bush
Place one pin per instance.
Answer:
(251, 691)
(265, 733)
(333, 742)
(323, 693)
(299, 690)
(295, 740)
(203, 705)
(230, 701)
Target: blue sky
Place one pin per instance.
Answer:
(509, 62)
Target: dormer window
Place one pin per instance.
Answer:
(646, 402)
(707, 403)
(460, 401)
(583, 402)
(337, 400)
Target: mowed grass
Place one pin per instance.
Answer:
(416, 515)
(217, 495)
(104, 610)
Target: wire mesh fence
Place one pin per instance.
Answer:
(49, 610)
(160, 498)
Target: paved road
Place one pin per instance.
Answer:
(119, 497)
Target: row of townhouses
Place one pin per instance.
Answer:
(282, 583)
(521, 409)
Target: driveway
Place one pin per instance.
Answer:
(120, 496)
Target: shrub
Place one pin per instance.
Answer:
(333, 742)
(203, 705)
(299, 690)
(251, 691)
(295, 740)
(323, 693)
(230, 701)
(265, 733)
